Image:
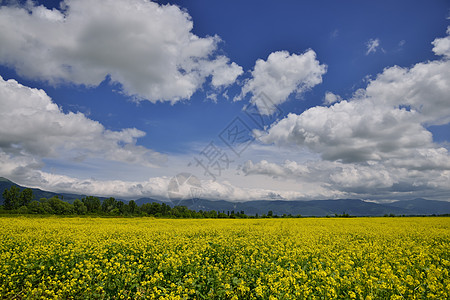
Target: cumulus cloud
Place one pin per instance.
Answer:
(31, 124)
(331, 98)
(353, 131)
(382, 121)
(372, 46)
(223, 73)
(377, 138)
(442, 45)
(147, 48)
(281, 75)
(423, 89)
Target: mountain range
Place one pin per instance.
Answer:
(353, 207)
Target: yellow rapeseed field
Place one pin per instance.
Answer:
(143, 258)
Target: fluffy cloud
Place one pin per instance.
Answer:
(384, 121)
(281, 75)
(223, 73)
(442, 45)
(378, 138)
(147, 48)
(31, 125)
(331, 98)
(352, 132)
(423, 89)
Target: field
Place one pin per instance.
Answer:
(143, 258)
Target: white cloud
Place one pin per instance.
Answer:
(32, 125)
(147, 48)
(331, 98)
(287, 169)
(333, 179)
(156, 187)
(377, 139)
(372, 46)
(425, 89)
(223, 73)
(379, 122)
(332, 175)
(281, 75)
(355, 131)
(442, 45)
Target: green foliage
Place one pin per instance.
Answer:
(14, 198)
(79, 207)
(11, 197)
(34, 207)
(21, 202)
(132, 207)
(25, 197)
(109, 204)
(92, 203)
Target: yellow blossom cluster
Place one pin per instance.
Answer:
(144, 258)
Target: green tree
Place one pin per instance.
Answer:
(210, 214)
(92, 203)
(34, 207)
(11, 198)
(132, 206)
(151, 208)
(23, 210)
(45, 206)
(60, 207)
(25, 197)
(120, 206)
(222, 215)
(79, 207)
(109, 204)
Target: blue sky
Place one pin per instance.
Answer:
(117, 97)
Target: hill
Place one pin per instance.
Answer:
(422, 206)
(38, 193)
(354, 207)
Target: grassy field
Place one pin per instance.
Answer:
(143, 258)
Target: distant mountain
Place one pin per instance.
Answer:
(141, 201)
(354, 207)
(423, 206)
(38, 193)
(304, 208)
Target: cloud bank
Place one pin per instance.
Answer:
(32, 125)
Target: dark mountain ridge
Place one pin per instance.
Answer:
(353, 207)
(38, 193)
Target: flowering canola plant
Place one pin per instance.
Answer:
(144, 258)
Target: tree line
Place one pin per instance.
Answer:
(21, 202)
